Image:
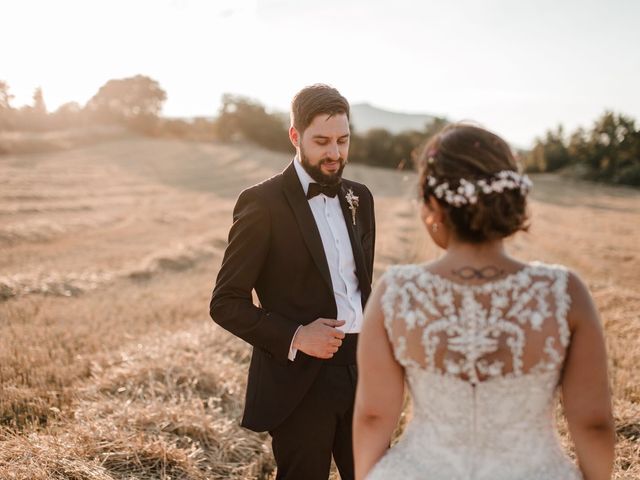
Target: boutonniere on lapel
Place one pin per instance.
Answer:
(353, 201)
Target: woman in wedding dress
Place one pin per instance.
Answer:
(484, 341)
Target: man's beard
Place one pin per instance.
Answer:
(316, 172)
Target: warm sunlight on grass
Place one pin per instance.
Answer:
(109, 365)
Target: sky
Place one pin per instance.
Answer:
(518, 67)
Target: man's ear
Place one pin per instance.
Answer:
(294, 136)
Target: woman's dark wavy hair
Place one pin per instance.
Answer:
(465, 151)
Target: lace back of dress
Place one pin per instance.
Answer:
(505, 328)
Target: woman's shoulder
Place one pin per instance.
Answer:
(402, 271)
(575, 282)
(572, 282)
(565, 278)
(537, 266)
(574, 288)
(395, 278)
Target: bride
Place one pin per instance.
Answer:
(482, 339)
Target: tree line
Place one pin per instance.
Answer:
(242, 117)
(609, 151)
(134, 102)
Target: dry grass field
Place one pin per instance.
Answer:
(110, 367)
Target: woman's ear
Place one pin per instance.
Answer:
(425, 213)
(432, 215)
(428, 213)
(435, 209)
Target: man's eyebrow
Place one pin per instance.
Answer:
(325, 137)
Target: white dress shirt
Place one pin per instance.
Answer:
(337, 249)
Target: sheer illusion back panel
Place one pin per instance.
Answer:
(482, 364)
(506, 328)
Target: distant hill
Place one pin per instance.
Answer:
(365, 116)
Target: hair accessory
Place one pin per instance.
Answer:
(467, 192)
(431, 156)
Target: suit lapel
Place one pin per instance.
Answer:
(356, 246)
(297, 200)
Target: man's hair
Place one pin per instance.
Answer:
(316, 100)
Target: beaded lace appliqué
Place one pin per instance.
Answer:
(482, 364)
(471, 323)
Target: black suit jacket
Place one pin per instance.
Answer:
(275, 248)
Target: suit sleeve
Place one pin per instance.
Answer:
(373, 233)
(231, 304)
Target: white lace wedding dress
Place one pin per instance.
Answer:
(482, 364)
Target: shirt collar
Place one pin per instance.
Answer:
(303, 176)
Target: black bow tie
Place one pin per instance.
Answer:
(317, 189)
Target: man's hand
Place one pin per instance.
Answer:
(320, 338)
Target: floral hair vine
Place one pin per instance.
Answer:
(467, 192)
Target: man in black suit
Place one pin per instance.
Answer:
(304, 240)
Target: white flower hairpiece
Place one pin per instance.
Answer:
(467, 192)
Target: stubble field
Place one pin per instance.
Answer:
(110, 367)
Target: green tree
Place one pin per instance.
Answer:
(67, 115)
(39, 107)
(431, 128)
(34, 116)
(535, 161)
(578, 148)
(135, 101)
(612, 145)
(379, 148)
(609, 151)
(555, 151)
(6, 112)
(246, 118)
(5, 96)
(407, 147)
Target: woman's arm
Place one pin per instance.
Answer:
(585, 387)
(379, 395)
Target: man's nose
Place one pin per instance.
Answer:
(334, 152)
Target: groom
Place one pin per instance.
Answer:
(304, 240)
